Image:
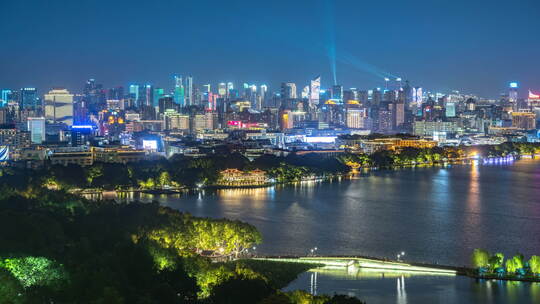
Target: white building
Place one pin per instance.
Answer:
(59, 106)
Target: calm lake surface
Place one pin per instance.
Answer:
(435, 215)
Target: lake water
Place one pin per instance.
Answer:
(435, 215)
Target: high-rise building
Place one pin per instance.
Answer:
(198, 123)
(513, 92)
(59, 106)
(179, 93)
(36, 127)
(94, 97)
(398, 114)
(417, 100)
(211, 120)
(376, 97)
(189, 91)
(450, 110)
(222, 90)
(149, 95)
(305, 92)
(286, 120)
(206, 88)
(314, 91)
(134, 91)
(176, 121)
(116, 93)
(288, 90)
(355, 118)
(5, 98)
(524, 120)
(263, 91)
(29, 99)
(156, 96)
(385, 121)
(337, 92)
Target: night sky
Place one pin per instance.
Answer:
(475, 46)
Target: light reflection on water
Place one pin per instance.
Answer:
(436, 215)
(375, 286)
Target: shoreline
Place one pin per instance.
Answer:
(387, 264)
(351, 175)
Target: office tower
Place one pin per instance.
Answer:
(288, 90)
(176, 121)
(363, 97)
(286, 120)
(230, 90)
(206, 88)
(211, 120)
(355, 118)
(513, 93)
(336, 93)
(5, 97)
(189, 96)
(148, 95)
(450, 110)
(4, 117)
(157, 94)
(263, 92)
(314, 91)
(389, 96)
(376, 97)
(222, 90)
(417, 100)
(29, 99)
(384, 120)
(116, 93)
(198, 123)
(305, 92)
(134, 92)
(179, 93)
(59, 106)
(36, 127)
(524, 120)
(94, 97)
(398, 114)
(471, 104)
(165, 103)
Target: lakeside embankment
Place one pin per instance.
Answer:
(359, 262)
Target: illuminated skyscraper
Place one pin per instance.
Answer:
(189, 96)
(222, 90)
(337, 93)
(148, 95)
(288, 90)
(156, 96)
(450, 109)
(355, 118)
(513, 93)
(36, 126)
(5, 98)
(134, 91)
(116, 93)
(179, 94)
(314, 91)
(417, 98)
(305, 93)
(59, 106)
(29, 99)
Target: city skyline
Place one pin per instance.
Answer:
(476, 48)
